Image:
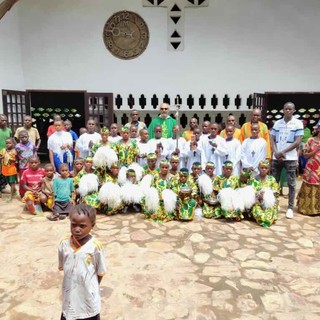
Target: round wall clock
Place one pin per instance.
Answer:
(126, 35)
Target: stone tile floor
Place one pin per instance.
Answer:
(205, 269)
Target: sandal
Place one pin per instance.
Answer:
(53, 217)
(62, 216)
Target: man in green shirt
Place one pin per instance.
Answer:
(5, 132)
(164, 121)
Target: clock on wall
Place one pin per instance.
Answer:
(126, 35)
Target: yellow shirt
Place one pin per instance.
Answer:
(236, 135)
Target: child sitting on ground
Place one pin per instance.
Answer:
(31, 182)
(8, 164)
(46, 195)
(82, 260)
(62, 189)
(77, 167)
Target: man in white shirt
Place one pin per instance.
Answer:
(286, 136)
(87, 140)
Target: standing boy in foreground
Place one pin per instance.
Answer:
(82, 259)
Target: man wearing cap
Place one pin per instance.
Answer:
(286, 136)
(164, 121)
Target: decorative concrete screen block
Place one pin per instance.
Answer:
(176, 16)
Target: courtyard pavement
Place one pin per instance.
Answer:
(204, 269)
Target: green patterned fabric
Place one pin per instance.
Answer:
(220, 182)
(99, 144)
(265, 217)
(160, 215)
(185, 205)
(126, 151)
(104, 207)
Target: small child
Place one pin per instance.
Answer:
(131, 205)
(77, 167)
(81, 257)
(62, 189)
(9, 169)
(134, 133)
(25, 150)
(31, 183)
(46, 195)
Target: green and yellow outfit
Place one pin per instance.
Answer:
(265, 216)
(185, 205)
(90, 199)
(221, 182)
(160, 215)
(126, 152)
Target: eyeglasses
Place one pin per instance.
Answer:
(163, 108)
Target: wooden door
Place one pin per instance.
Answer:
(99, 106)
(15, 106)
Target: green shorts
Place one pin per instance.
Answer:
(11, 179)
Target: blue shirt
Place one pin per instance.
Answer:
(62, 189)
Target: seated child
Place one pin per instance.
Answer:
(8, 164)
(224, 181)
(46, 195)
(31, 182)
(187, 192)
(77, 167)
(62, 189)
(130, 204)
(265, 211)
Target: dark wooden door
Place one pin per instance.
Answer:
(99, 106)
(16, 104)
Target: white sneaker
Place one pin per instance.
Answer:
(289, 214)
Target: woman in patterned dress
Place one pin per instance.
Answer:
(265, 217)
(309, 194)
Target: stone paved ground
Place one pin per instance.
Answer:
(205, 269)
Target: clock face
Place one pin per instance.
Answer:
(126, 35)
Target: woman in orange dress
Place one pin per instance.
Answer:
(309, 194)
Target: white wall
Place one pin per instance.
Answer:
(11, 74)
(232, 46)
